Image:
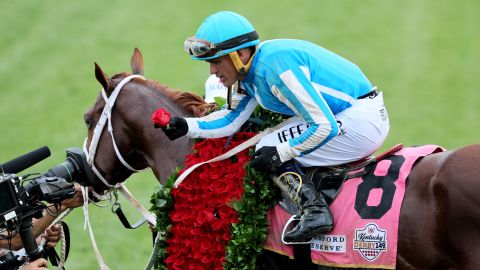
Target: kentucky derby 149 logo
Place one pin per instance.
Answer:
(370, 241)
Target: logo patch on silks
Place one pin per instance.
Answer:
(370, 241)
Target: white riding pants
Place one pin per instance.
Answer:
(363, 129)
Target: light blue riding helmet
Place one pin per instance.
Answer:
(227, 32)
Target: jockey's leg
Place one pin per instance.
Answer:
(316, 217)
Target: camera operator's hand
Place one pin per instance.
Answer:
(39, 264)
(75, 201)
(52, 235)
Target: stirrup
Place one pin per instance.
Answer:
(293, 218)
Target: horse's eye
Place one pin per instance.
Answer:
(89, 124)
(88, 121)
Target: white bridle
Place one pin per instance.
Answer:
(105, 117)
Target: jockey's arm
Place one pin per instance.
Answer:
(221, 123)
(298, 93)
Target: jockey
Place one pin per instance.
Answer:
(341, 115)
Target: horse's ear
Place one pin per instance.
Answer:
(103, 79)
(137, 62)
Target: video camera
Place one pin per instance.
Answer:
(22, 197)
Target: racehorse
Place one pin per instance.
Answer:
(440, 216)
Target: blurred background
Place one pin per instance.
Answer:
(424, 55)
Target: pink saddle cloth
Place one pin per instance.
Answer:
(366, 214)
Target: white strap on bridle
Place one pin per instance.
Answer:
(106, 117)
(140, 208)
(126, 193)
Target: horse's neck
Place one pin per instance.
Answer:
(172, 157)
(163, 155)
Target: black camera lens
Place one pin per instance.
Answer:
(74, 169)
(65, 170)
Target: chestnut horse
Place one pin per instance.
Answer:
(440, 216)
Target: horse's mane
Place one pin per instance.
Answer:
(192, 103)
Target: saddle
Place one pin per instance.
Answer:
(328, 180)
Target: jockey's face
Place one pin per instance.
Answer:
(224, 69)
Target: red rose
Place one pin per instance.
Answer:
(202, 215)
(161, 117)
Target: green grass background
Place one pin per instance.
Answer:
(424, 55)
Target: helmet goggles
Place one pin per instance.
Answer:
(204, 48)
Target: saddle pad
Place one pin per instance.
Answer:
(366, 215)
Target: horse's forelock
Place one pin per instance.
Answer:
(195, 104)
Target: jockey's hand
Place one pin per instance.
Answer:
(266, 159)
(176, 128)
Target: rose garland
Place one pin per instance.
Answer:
(218, 220)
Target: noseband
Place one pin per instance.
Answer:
(105, 117)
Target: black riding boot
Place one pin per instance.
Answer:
(316, 217)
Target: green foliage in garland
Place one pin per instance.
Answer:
(249, 235)
(262, 119)
(162, 205)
